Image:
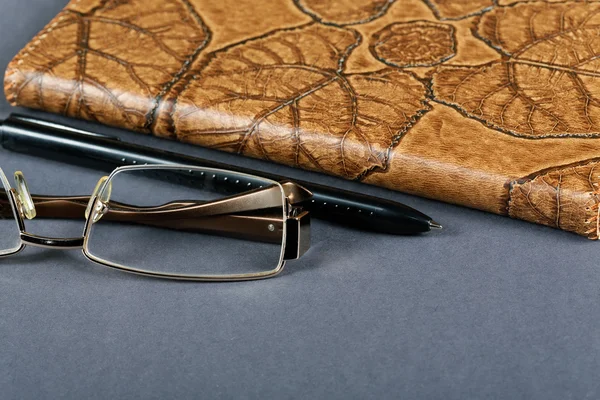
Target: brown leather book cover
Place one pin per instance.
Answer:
(491, 104)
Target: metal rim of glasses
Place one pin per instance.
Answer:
(289, 213)
(16, 215)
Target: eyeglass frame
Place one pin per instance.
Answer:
(295, 234)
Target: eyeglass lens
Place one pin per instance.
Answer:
(194, 222)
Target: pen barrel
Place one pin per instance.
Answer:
(50, 140)
(367, 212)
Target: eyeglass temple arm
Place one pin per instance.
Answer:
(249, 216)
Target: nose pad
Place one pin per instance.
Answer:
(24, 196)
(103, 197)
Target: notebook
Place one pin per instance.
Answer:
(490, 104)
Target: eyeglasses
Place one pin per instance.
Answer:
(171, 221)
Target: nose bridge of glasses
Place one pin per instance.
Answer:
(53, 243)
(26, 207)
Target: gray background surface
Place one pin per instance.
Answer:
(487, 308)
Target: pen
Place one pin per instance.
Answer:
(47, 139)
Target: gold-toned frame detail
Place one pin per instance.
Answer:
(291, 195)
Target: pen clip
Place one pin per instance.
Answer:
(52, 125)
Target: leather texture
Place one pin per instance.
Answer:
(490, 104)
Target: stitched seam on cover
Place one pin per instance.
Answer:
(594, 232)
(38, 40)
(43, 34)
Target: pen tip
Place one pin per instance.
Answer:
(434, 225)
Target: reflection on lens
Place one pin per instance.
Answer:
(10, 241)
(193, 222)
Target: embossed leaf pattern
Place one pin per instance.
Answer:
(547, 84)
(414, 44)
(108, 60)
(557, 197)
(458, 9)
(284, 97)
(344, 12)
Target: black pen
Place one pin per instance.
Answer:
(47, 139)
